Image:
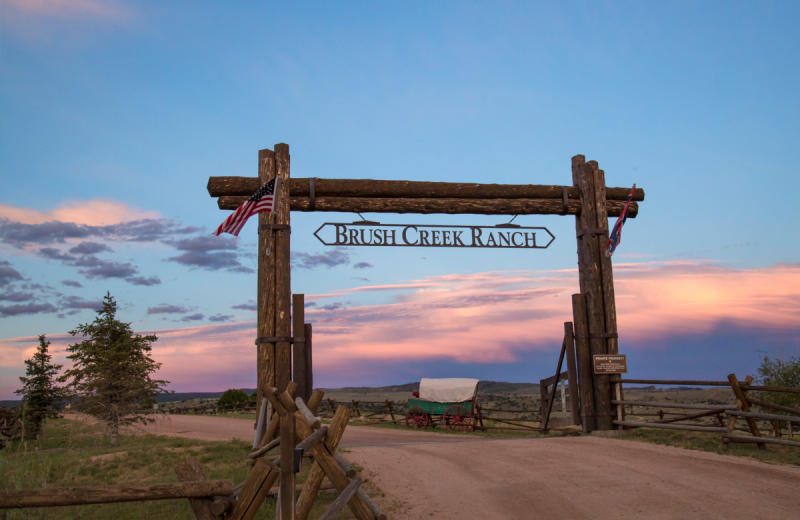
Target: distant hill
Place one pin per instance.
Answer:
(10, 404)
(484, 387)
(184, 396)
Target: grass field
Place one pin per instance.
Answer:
(710, 442)
(74, 454)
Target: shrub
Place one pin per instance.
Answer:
(232, 396)
(780, 372)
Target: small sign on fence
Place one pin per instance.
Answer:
(605, 364)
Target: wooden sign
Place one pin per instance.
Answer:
(368, 233)
(604, 364)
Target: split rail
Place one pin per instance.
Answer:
(726, 416)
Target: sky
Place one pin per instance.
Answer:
(114, 114)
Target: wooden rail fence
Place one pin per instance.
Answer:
(394, 412)
(726, 415)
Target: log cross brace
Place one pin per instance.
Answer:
(327, 462)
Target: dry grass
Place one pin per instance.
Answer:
(74, 454)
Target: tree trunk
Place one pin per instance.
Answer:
(114, 432)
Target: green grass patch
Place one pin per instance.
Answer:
(710, 442)
(74, 454)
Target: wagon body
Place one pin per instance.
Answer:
(436, 408)
(447, 401)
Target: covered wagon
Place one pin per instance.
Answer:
(450, 402)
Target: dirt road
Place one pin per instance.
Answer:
(425, 474)
(576, 478)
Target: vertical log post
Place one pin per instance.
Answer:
(265, 352)
(283, 282)
(309, 371)
(606, 270)
(584, 355)
(287, 489)
(299, 347)
(589, 252)
(572, 374)
(741, 396)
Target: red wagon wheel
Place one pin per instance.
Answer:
(457, 419)
(417, 419)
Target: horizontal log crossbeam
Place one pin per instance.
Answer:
(449, 206)
(371, 196)
(370, 188)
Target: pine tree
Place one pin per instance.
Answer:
(41, 398)
(111, 371)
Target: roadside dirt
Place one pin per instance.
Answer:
(571, 477)
(209, 428)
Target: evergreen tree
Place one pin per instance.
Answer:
(40, 396)
(111, 371)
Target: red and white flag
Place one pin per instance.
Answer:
(262, 200)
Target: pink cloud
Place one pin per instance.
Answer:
(72, 8)
(481, 318)
(95, 212)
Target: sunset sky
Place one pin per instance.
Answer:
(113, 114)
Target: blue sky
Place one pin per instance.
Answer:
(135, 104)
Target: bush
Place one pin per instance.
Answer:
(232, 396)
(148, 402)
(780, 372)
(253, 396)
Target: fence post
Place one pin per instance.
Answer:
(298, 347)
(584, 356)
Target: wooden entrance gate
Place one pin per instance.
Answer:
(588, 199)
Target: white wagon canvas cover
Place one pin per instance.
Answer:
(452, 390)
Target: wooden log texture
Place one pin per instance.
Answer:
(338, 505)
(740, 395)
(606, 270)
(720, 407)
(51, 497)
(312, 420)
(272, 427)
(773, 406)
(663, 426)
(309, 370)
(315, 400)
(687, 417)
(343, 463)
(317, 473)
(371, 188)
(283, 277)
(572, 373)
(254, 491)
(373, 507)
(298, 348)
(763, 416)
(323, 457)
(446, 206)
(265, 352)
(583, 353)
(262, 417)
(188, 471)
(759, 440)
(589, 266)
(286, 497)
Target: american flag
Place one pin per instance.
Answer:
(262, 200)
(616, 234)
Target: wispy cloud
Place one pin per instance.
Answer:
(493, 319)
(94, 212)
